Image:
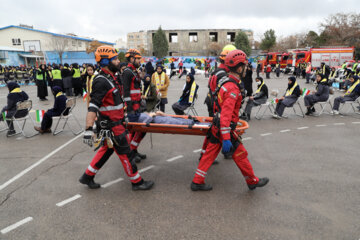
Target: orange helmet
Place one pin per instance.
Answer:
(105, 52)
(133, 52)
(223, 54)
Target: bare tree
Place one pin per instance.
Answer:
(214, 49)
(59, 45)
(93, 46)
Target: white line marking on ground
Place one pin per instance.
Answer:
(265, 134)
(4, 185)
(174, 158)
(66, 201)
(16, 225)
(321, 125)
(355, 122)
(111, 183)
(300, 128)
(247, 138)
(197, 150)
(336, 124)
(146, 168)
(285, 130)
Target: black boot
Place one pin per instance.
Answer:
(200, 187)
(308, 112)
(135, 157)
(89, 180)
(313, 109)
(142, 156)
(145, 185)
(262, 182)
(11, 133)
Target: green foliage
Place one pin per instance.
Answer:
(121, 57)
(269, 40)
(160, 44)
(242, 42)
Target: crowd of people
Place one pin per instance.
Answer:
(121, 92)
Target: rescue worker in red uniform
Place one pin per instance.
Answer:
(131, 82)
(227, 103)
(107, 106)
(215, 76)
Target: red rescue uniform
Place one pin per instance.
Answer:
(229, 99)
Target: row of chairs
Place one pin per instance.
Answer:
(27, 105)
(269, 107)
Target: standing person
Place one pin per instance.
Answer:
(149, 94)
(187, 97)
(228, 102)
(350, 95)
(49, 77)
(289, 99)
(180, 66)
(324, 70)
(15, 95)
(172, 70)
(268, 71)
(106, 104)
(320, 95)
(59, 107)
(308, 72)
(149, 68)
(260, 97)
(132, 96)
(277, 69)
(76, 80)
(248, 81)
(67, 78)
(56, 77)
(90, 74)
(258, 69)
(162, 82)
(41, 76)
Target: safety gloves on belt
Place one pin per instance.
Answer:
(226, 146)
(88, 136)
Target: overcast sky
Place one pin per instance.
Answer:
(112, 19)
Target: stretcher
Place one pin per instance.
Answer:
(200, 128)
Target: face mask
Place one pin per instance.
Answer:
(258, 83)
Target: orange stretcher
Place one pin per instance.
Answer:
(196, 129)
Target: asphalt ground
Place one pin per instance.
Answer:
(312, 162)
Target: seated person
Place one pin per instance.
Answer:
(149, 96)
(15, 95)
(289, 99)
(59, 107)
(320, 95)
(187, 97)
(332, 76)
(350, 95)
(260, 97)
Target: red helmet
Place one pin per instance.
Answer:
(235, 57)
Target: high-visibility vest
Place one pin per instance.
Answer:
(39, 76)
(56, 74)
(76, 73)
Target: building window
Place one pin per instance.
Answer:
(73, 43)
(79, 43)
(230, 36)
(173, 37)
(213, 36)
(193, 37)
(16, 41)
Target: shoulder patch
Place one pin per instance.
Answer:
(233, 95)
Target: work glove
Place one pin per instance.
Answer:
(88, 137)
(226, 146)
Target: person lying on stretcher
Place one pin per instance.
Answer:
(160, 117)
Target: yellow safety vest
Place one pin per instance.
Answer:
(160, 82)
(290, 91)
(56, 74)
(147, 90)
(76, 73)
(332, 74)
(352, 87)
(192, 92)
(59, 94)
(39, 76)
(259, 89)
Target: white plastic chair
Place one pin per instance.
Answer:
(70, 105)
